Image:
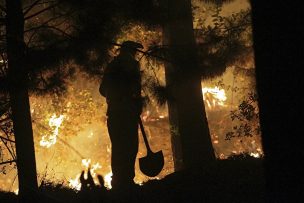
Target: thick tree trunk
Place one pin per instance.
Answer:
(186, 108)
(19, 100)
(278, 33)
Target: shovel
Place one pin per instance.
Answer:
(152, 164)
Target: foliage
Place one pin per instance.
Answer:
(7, 144)
(77, 106)
(242, 157)
(65, 31)
(225, 43)
(248, 116)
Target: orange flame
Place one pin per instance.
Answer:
(49, 140)
(86, 163)
(214, 96)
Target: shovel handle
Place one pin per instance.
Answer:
(144, 136)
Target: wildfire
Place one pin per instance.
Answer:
(54, 123)
(16, 191)
(214, 96)
(258, 153)
(86, 163)
(108, 179)
(255, 155)
(75, 183)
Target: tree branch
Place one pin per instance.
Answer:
(46, 22)
(61, 31)
(57, 29)
(41, 11)
(146, 53)
(30, 7)
(41, 3)
(240, 27)
(7, 147)
(30, 39)
(5, 120)
(8, 162)
(6, 139)
(44, 27)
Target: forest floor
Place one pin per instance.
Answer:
(235, 180)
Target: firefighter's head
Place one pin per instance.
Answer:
(130, 47)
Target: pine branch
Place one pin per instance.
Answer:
(30, 7)
(41, 3)
(146, 53)
(50, 20)
(41, 11)
(55, 28)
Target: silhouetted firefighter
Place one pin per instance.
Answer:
(121, 85)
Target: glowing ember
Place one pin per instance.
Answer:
(54, 123)
(214, 96)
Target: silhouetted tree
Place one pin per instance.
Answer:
(19, 100)
(183, 78)
(184, 84)
(16, 78)
(278, 64)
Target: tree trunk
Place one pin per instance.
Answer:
(279, 61)
(19, 100)
(186, 108)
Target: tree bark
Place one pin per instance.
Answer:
(19, 101)
(186, 107)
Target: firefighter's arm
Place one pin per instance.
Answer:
(105, 81)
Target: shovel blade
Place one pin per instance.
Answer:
(152, 164)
